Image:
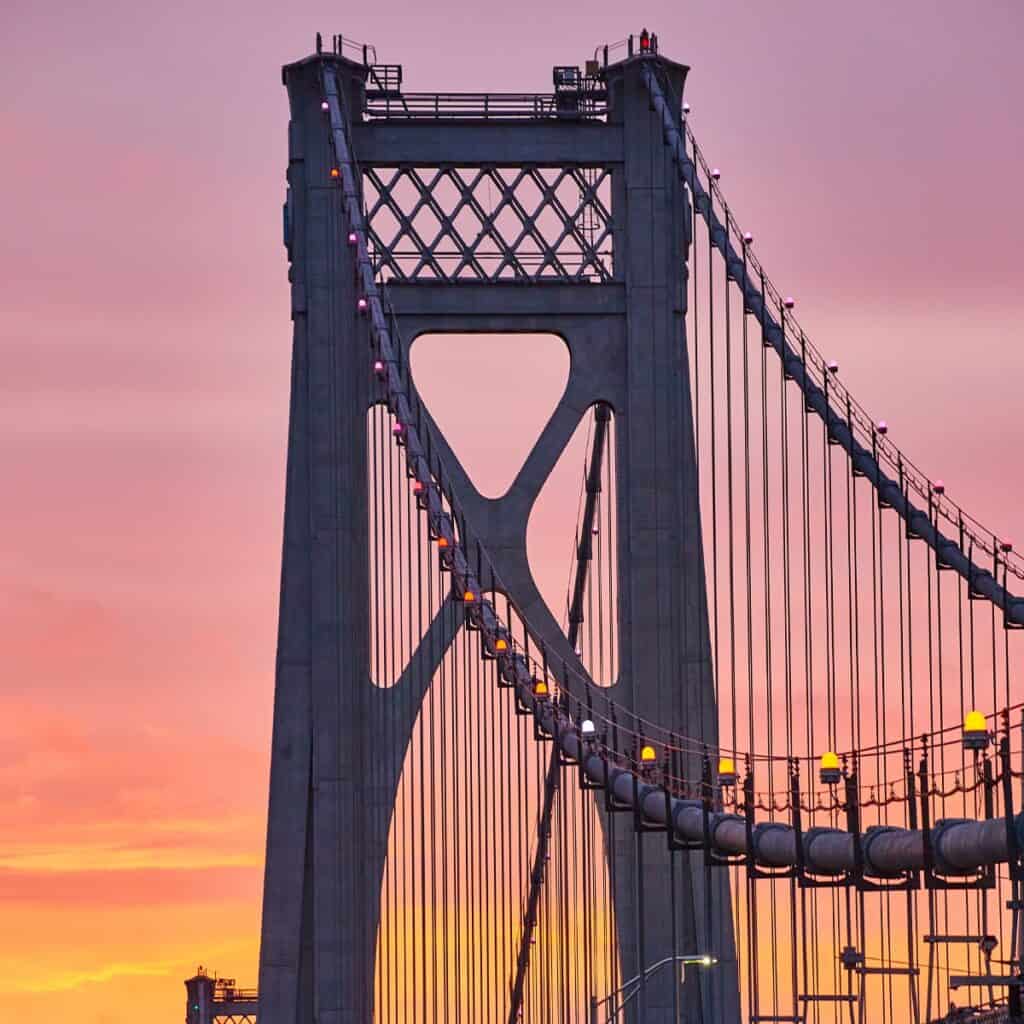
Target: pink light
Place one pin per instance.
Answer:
(939, 487)
(378, 369)
(833, 366)
(686, 108)
(324, 106)
(398, 430)
(417, 487)
(353, 238)
(883, 427)
(789, 302)
(362, 305)
(747, 238)
(716, 173)
(593, 529)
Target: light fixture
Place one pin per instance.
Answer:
(829, 769)
(975, 731)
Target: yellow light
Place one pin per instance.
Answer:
(974, 721)
(726, 771)
(647, 753)
(540, 688)
(469, 597)
(335, 172)
(500, 644)
(975, 731)
(829, 772)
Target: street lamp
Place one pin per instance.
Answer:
(635, 984)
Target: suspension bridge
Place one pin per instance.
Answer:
(765, 764)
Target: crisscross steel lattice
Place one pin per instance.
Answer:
(490, 223)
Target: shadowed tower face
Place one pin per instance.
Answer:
(586, 237)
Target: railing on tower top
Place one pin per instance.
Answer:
(454, 106)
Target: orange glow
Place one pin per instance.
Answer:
(540, 688)
(335, 172)
(500, 644)
(442, 542)
(469, 597)
(647, 753)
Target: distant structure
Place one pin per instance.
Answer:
(218, 999)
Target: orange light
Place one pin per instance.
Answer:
(540, 688)
(647, 753)
(500, 644)
(335, 173)
(469, 597)
(442, 542)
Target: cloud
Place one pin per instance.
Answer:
(62, 981)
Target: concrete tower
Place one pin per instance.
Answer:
(623, 321)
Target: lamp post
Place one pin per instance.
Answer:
(696, 959)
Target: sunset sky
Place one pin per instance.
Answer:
(875, 150)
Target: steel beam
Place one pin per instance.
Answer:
(499, 143)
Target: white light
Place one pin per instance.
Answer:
(707, 961)
(587, 727)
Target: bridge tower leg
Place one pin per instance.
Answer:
(333, 765)
(332, 769)
(665, 664)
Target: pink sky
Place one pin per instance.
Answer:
(875, 151)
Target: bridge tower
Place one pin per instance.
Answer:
(620, 309)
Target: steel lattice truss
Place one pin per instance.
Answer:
(490, 224)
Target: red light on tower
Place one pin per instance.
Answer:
(645, 41)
